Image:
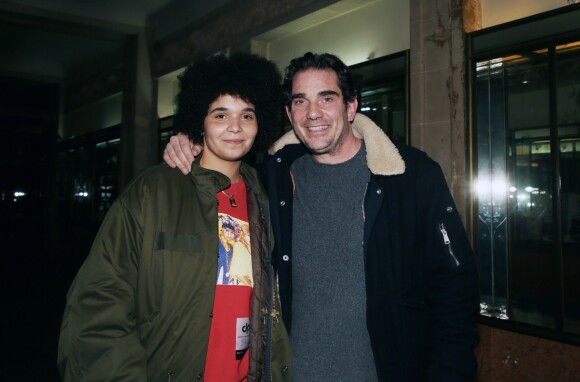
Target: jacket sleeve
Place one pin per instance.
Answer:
(452, 289)
(99, 339)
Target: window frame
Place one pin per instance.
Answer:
(480, 49)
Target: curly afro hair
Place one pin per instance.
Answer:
(247, 76)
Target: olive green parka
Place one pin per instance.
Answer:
(140, 307)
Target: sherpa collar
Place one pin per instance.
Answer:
(383, 158)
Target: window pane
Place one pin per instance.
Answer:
(74, 184)
(529, 252)
(515, 231)
(534, 285)
(381, 87)
(568, 93)
(490, 188)
(106, 170)
(385, 105)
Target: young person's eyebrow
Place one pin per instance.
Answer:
(219, 108)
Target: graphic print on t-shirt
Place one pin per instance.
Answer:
(242, 336)
(229, 340)
(234, 253)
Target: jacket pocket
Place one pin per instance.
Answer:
(179, 242)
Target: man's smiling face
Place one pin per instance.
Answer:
(319, 115)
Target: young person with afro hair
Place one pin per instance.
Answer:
(157, 298)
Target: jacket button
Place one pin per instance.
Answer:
(278, 159)
(211, 315)
(449, 209)
(199, 377)
(282, 203)
(285, 257)
(379, 191)
(285, 369)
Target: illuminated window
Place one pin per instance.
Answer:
(526, 186)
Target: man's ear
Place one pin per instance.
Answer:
(351, 109)
(288, 113)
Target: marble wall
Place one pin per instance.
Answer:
(506, 356)
(437, 88)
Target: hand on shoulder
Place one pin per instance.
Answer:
(180, 152)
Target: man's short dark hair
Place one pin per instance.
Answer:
(250, 77)
(323, 61)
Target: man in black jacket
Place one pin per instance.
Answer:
(377, 277)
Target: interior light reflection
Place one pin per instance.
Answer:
(18, 194)
(495, 188)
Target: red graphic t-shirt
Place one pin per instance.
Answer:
(227, 352)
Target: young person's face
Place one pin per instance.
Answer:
(318, 113)
(230, 129)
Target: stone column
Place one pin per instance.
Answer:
(139, 130)
(437, 90)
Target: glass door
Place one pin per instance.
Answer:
(527, 186)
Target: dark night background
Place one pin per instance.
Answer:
(40, 251)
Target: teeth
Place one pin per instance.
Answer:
(316, 128)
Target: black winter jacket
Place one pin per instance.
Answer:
(421, 278)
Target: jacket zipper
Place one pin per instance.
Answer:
(363, 202)
(273, 315)
(447, 242)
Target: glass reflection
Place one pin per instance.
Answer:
(490, 190)
(527, 190)
(568, 92)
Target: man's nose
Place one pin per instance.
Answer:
(314, 111)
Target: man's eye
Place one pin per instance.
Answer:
(248, 117)
(299, 104)
(220, 116)
(327, 99)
